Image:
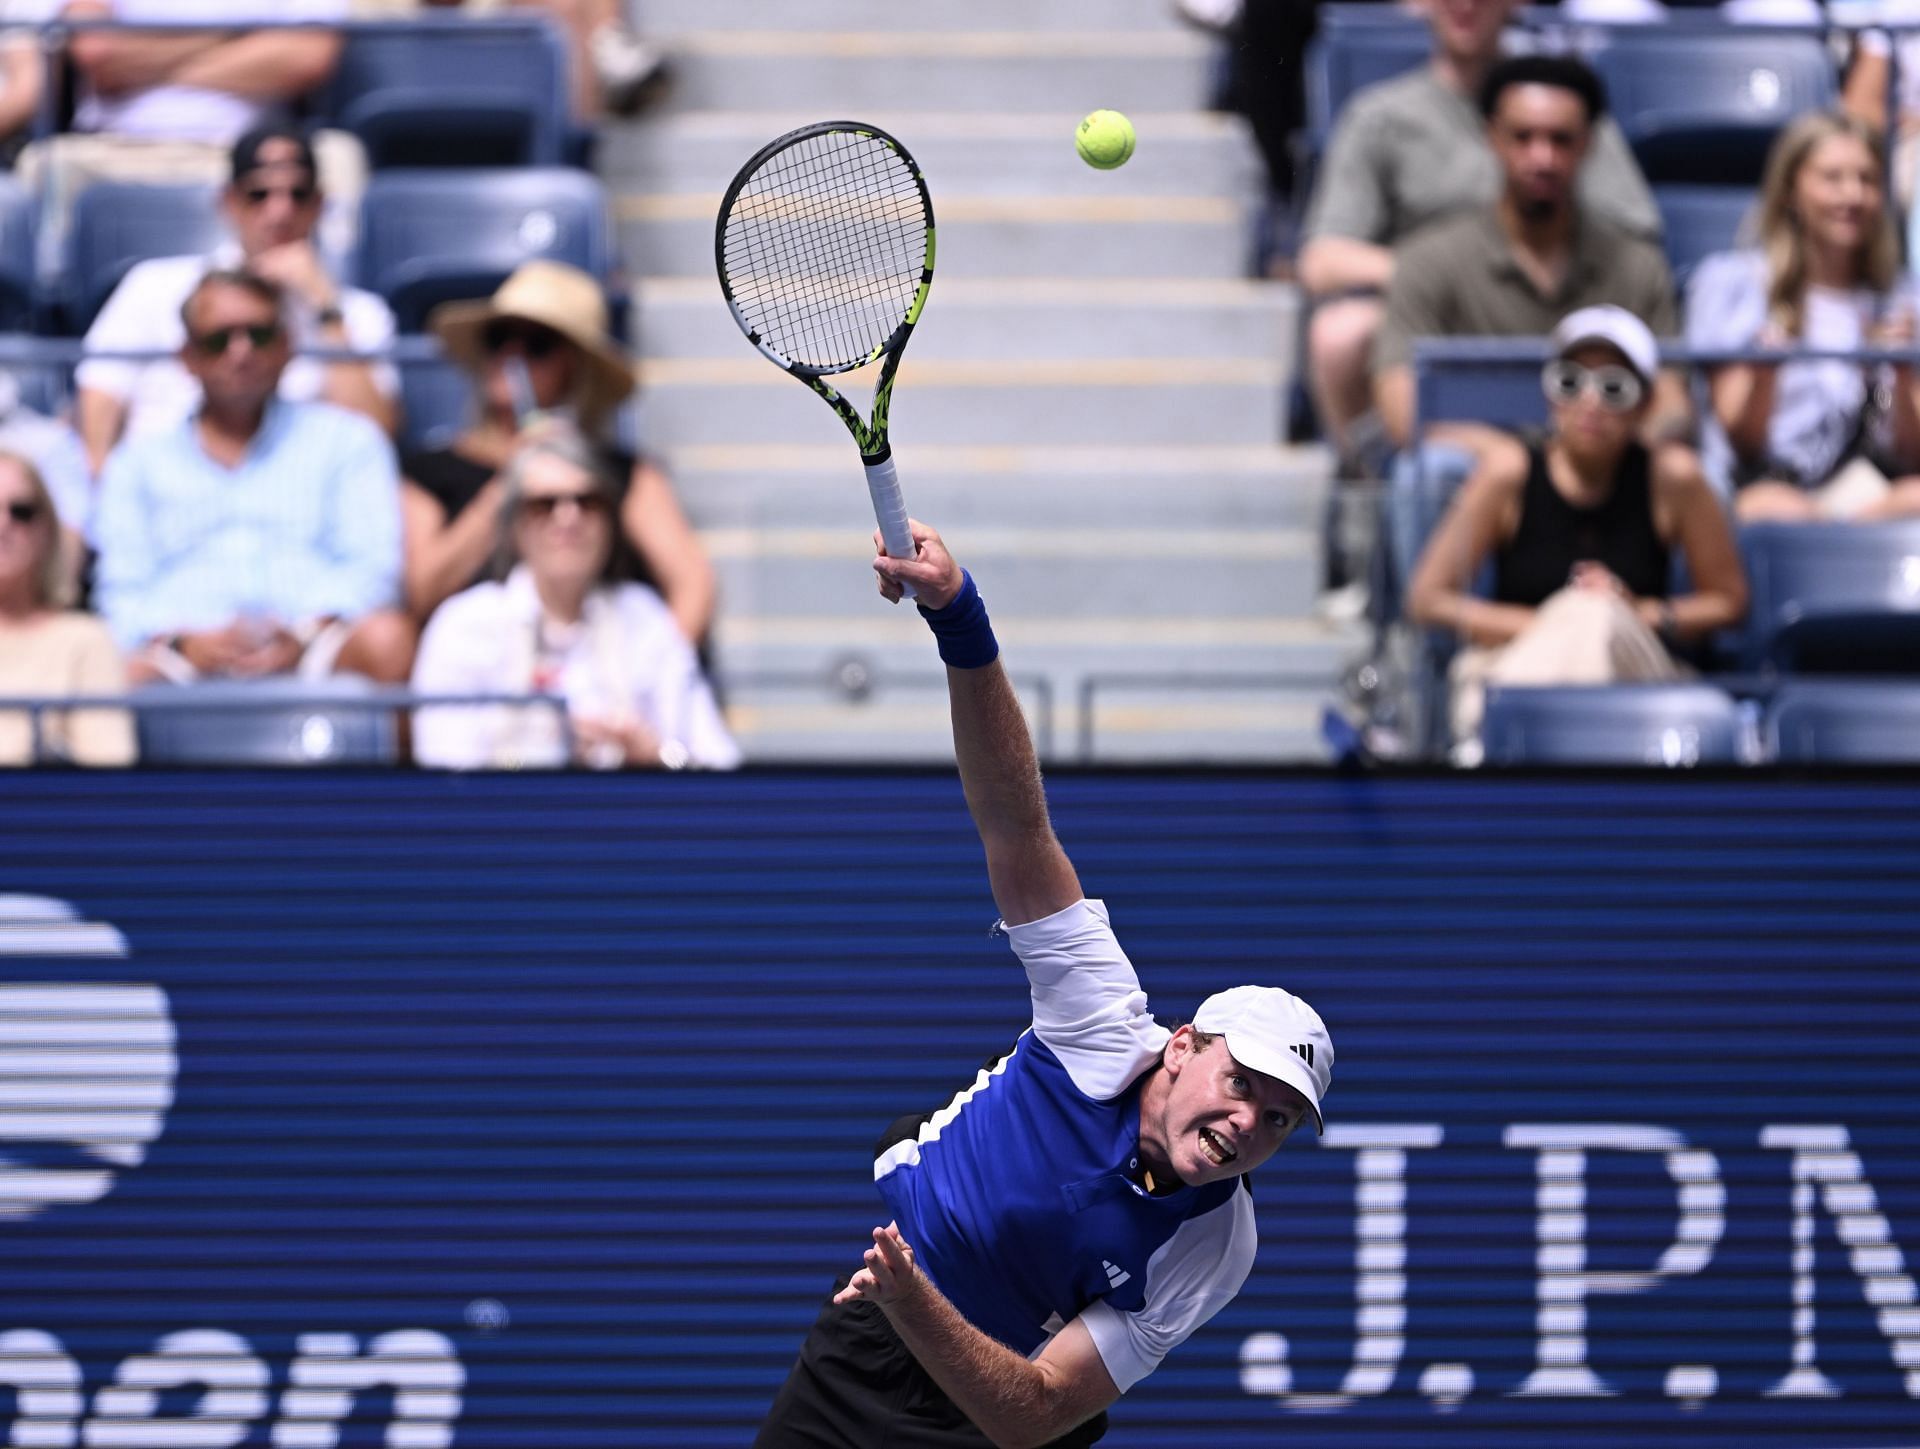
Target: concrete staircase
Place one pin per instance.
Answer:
(1089, 410)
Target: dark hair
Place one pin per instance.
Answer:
(260, 287)
(246, 151)
(1562, 72)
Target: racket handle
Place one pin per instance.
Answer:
(890, 510)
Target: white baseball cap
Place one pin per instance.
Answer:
(1275, 1033)
(1615, 326)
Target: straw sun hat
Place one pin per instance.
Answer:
(561, 298)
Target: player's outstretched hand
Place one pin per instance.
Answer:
(888, 1274)
(932, 572)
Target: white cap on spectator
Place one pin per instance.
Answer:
(1615, 326)
(1275, 1033)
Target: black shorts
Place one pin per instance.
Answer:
(857, 1386)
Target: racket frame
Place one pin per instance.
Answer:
(870, 432)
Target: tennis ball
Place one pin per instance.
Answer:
(1105, 140)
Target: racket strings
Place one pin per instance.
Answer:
(824, 248)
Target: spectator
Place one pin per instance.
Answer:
(550, 320)
(23, 69)
(561, 623)
(45, 651)
(163, 106)
(260, 536)
(60, 461)
(1407, 153)
(613, 69)
(1814, 439)
(272, 201)
(1513, 268)
(1581, 533)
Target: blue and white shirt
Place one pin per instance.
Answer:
(1021, 1196)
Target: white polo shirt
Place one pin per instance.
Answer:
(143, 314)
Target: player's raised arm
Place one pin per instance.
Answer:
(1029, 872)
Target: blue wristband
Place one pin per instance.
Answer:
(964, 634)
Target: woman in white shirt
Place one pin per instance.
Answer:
(556, 624)
(1807, 439)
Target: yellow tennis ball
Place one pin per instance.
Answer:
(1105, 140)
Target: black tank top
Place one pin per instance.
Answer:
(1554, 536)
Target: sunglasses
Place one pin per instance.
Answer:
(1617, 389)
(23, 511)
(534, 342)
(261, 195)
(543, 505)
(259, 335)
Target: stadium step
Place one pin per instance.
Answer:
(1089, 410)
(833, 74)
(1117, 235)
(1054, 317)
(666, 19)
(1050, 488)
(1180, 153)
(1098, 403)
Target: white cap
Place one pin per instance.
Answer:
(1615, 326)
(1275, 1033)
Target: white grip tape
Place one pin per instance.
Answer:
(890, 510)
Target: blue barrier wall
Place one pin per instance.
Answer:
(539, 1111)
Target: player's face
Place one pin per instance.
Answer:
(1221, 1118)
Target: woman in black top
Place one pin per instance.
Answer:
(1581, 532)
(548, 321)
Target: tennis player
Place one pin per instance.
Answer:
(1080, 1208)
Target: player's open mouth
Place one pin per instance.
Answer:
(1217, 1150)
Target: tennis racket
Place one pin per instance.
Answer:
(825, 248)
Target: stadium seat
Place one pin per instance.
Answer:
(428, 237)
(117, 224)
(1666, 725)
(1835, 598)
(1698, 221)
(18, 293)
(1352, 52)
(435, 399)
(279, 721)
(465, 93)
(1704, 106)
(1835, 722)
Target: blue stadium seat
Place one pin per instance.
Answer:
(264, 722)
(466, 93)
(19, 295)
(1851, 722)
(435, 398)
(1837, 598)
(117, 224)
(1664, 725)
(1698, 221)
(428, 237)
(1704, 106)
(1352, 52)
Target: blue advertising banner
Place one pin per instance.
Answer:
(539, 1112)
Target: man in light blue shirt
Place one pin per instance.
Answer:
(261, 536)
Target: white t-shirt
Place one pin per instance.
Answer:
(143, 314)
(627, 656)
(190, 113)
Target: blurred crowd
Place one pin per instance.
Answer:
(227, 494)
(1487, 191)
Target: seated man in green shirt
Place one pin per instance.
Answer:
(1515, 267)
(1406, 153)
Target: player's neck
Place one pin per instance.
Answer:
(1156, 1172)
